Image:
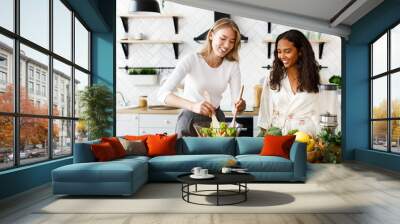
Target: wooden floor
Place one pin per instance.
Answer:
(378, 189)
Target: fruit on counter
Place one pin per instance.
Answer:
(274, 131)
(302, 137)
(305, 138)
(310, 145)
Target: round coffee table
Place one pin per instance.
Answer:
(238, 179)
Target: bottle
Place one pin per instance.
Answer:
(257, 95)
(142, 101)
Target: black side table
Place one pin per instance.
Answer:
(238, 179)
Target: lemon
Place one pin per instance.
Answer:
(302, 137)
(310, 145)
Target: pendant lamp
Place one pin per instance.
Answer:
(144, 6)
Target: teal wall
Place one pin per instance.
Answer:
(356, 85)
(103, 61)
(99, 16)
(24, 178)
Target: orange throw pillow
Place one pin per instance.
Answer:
(277, 145)
(103, 152)
(116, 145)
(160, 145)
(136, 137)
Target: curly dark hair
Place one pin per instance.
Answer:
(306, 64)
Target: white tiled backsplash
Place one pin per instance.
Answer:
(194, 21)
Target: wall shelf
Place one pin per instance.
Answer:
(125, 44)
(126, 16)
(320, 43)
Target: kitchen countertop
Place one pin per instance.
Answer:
(146, 110)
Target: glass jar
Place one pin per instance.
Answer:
(142, 102)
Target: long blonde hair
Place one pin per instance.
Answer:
(233, 55)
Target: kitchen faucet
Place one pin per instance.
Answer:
(125, 103)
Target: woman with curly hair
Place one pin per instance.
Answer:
(289, 98)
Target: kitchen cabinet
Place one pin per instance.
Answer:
(256, 129)
(140, 121)
(139, 124)
(127, 124)
(157, 123)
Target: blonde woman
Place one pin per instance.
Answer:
(206, 76)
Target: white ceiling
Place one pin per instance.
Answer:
(314, 15)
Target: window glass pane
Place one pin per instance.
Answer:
(35, 21)
(81, 131)
(7, 14)
(395, 138)
(81, 81)
(81, 45)
(62, 29)
(6, 75)
(62, 137)
(395, 94)
(379, 135)
(379, 97)
(395, 47)
(62, 89)
(33, 139)
(6, 142)
(379, 55)
(34, 72)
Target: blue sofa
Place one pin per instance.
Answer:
(125, 176)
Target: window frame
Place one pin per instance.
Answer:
(15, 68)
(388, 74)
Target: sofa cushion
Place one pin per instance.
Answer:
(131, 158)
(83, 152)
(103, 152)
(112, 171)
(257, 163)
(249, 145)
(211, 145)
(134, 147)
(116, 145)
(277, 145)
(185, 163)
(160, 145)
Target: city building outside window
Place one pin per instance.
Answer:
(55, 129)
(30, 87)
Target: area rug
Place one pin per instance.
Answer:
(167, 198)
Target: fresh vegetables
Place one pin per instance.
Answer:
(274, 131)
(222, 131)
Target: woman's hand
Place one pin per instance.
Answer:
(204, 108)
(240, 105)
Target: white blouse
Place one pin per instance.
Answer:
(288, 111)
(200, 77)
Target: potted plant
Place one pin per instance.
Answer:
(327, 148)
(96, 102)
(335, 79)
(143, 76)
